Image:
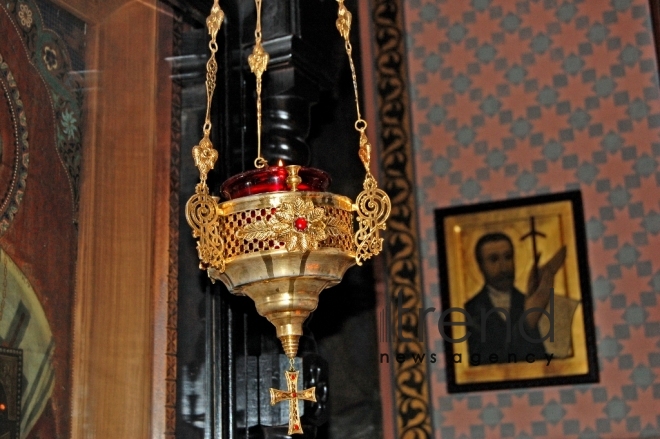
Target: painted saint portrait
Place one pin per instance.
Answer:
(514, 274)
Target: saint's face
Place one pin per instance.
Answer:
(497, 265)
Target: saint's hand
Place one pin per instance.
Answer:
(540, 286)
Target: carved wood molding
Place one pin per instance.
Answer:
(411, 383)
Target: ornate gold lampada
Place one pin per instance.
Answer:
(284, 243)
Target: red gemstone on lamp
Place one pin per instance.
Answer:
(300, 224)
(295, 427)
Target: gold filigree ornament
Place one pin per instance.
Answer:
(373, 207)
(203, 216)
(300, 225)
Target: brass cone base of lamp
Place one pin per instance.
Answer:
(285, 284)
(285, 287)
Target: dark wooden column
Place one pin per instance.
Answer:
(298, 35)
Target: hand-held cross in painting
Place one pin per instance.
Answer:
(535, 270)
(541, 279)
(293, 396)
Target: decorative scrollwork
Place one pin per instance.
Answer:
(373, 207)
(18, 129)
(203, 216)
(413, 411)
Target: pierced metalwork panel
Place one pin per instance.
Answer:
(235, 246)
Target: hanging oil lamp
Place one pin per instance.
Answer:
(278, 237)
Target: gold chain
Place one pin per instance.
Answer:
(343, 23)
(203, 153)
(258, 62)
(213, 23)
(202, 210)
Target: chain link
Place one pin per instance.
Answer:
(213, 23)
(258, 62)
(204, 154)
(343, 23)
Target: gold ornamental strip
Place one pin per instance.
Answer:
(411, 380)
(274, 199)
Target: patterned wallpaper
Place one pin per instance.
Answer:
(515, 98)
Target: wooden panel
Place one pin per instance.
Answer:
(122, 270)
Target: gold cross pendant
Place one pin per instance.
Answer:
(293, 396)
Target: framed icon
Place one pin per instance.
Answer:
(515, 292)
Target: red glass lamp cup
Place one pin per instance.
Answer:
(273, 179)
